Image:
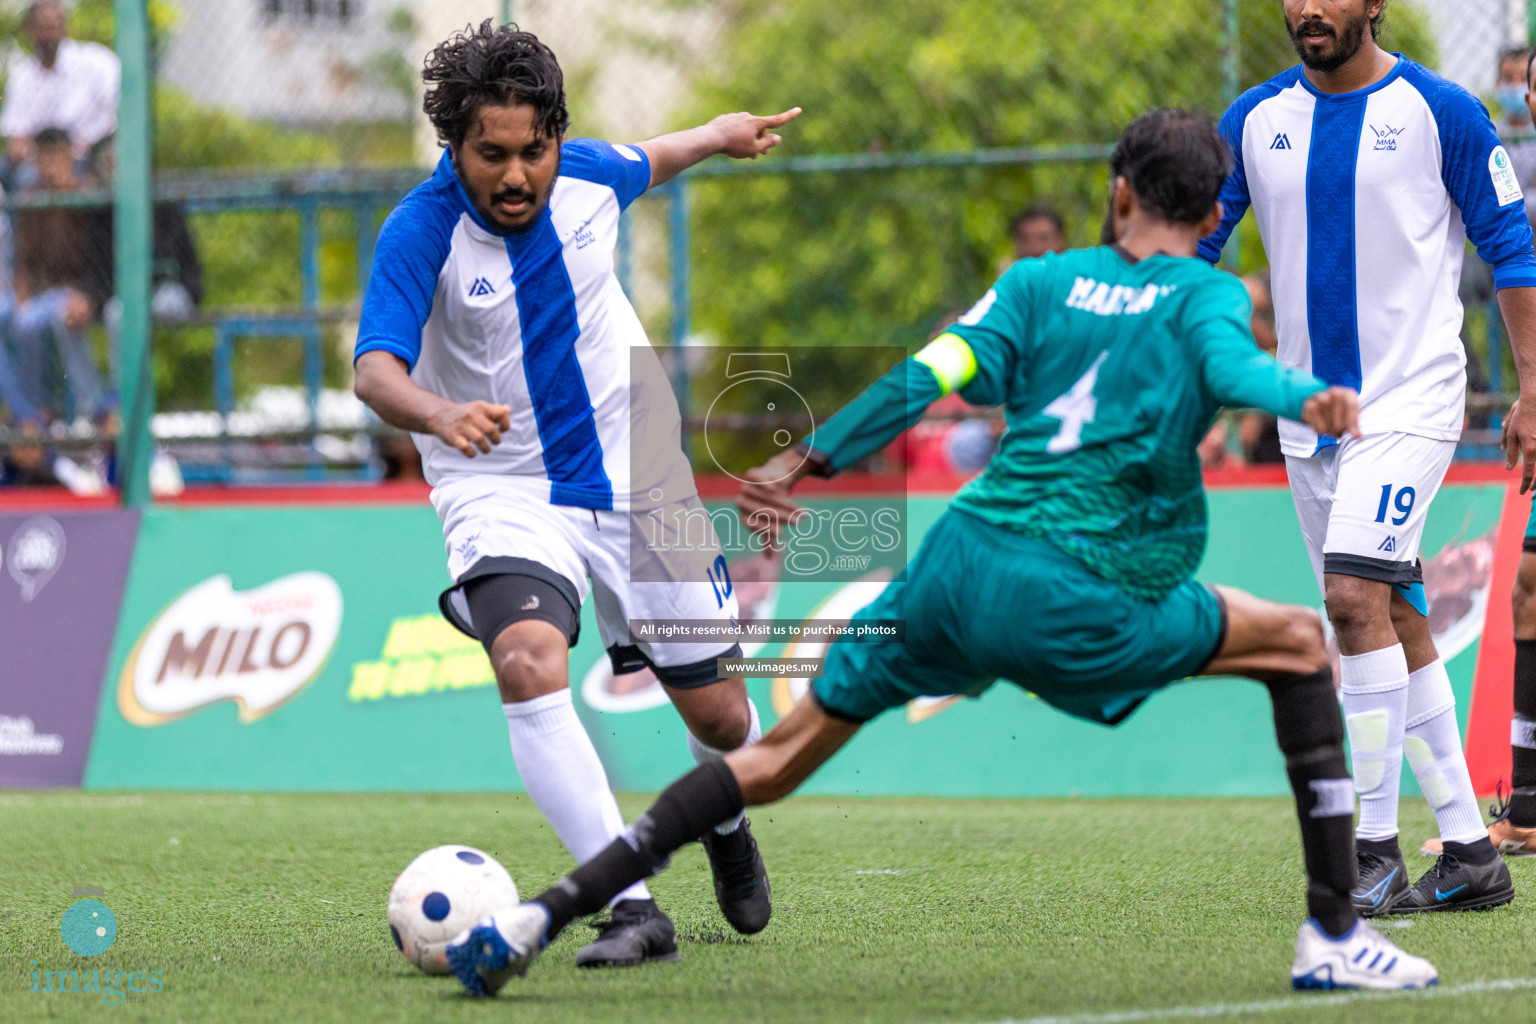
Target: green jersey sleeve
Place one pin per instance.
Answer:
(875, 418)
(1238, 374)
(996, 330)
(976, 357)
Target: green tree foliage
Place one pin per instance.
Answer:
(874, 258)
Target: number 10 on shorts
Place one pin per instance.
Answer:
(1403, 503)
(720, 579)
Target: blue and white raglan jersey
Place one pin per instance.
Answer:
(1365, 201)
(535, 320)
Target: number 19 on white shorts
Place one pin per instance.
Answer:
(1362, 503)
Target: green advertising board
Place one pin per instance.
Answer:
(299, 647)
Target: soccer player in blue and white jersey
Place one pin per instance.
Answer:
(1367, 174)
(495, 331)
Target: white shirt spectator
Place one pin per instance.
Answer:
(78, 94)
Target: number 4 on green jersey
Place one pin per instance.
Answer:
(1075, 409)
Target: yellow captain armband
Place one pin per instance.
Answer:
(951, 360)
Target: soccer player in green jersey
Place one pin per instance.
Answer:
(1065, 567)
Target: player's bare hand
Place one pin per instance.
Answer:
(764, 501)
(748, 136)
(471, 426)
(1335, 412)
(1519, 441)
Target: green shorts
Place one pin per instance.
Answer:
(982, 603)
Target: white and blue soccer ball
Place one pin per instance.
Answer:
(440, 894)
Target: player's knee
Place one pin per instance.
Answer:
(1350, 606)
(527, 668)
(723, 725)
(1523, 598)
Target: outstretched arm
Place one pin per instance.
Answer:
(741, 135)
(871, 421)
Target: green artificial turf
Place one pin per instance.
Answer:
(258, 908)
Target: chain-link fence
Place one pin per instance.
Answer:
(283, 131)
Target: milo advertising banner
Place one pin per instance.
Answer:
(300, 648)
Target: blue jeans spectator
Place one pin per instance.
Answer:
(52, 360)
(12, 395)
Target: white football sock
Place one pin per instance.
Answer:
(565, 778)
(1432, 743)
(1375, 698)
(703, 754)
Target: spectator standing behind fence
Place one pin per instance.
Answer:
(63, 83)
(1036, 231)
(177, 273)
(47, 327)
(1514, 118)
(1258, 431)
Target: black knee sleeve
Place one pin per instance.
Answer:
(496, 602)
(1307, 714)
(1310, 731)
(1525, 679)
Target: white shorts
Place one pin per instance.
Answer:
(655, 564)
(1362, 504)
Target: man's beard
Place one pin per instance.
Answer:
(1349, 43)
(536, 208)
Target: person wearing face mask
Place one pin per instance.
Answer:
(1509, 93)
(1516, 129)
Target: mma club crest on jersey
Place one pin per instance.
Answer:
(257, 648)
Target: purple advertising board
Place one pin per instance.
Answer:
(61, 585)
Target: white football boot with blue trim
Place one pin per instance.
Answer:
(1360, 958)
(498, 947)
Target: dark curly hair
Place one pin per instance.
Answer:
(1379, 21)
(495, 65)
(1176, 161)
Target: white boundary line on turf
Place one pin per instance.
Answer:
(1273, 1005)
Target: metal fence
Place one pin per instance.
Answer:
(273, 136)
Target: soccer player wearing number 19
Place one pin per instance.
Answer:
(1065, 567)
(1367, 174)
